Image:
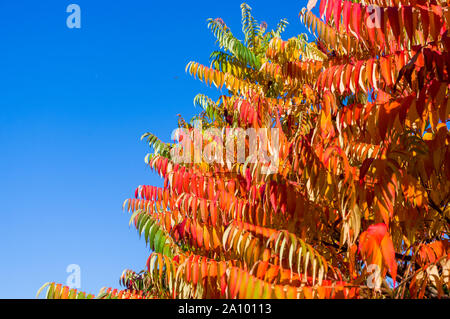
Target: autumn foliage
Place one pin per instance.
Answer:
(359, 205)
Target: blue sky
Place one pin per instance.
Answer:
(73, 105)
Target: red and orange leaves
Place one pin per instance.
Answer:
(376, 247)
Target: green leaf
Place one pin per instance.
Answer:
(42, 288)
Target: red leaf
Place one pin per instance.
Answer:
(248, 178)
(356, 17)
(233, 283)
(199, 233)
(364, 169)
(330, 5)
(385, 64)
(346, 14)
(375, 240)
(337, 13)
(204, 210)
(392, 13)
(213, 211)
(387, 249)
(425, 19)
(407, 16)
(273, 200)
(188, 268)
(322, 6)
(195, 270)
(204, 268)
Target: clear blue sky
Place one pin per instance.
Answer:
(73, 104)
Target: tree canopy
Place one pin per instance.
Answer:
(358, 205)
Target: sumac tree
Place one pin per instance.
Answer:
(362, 185)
